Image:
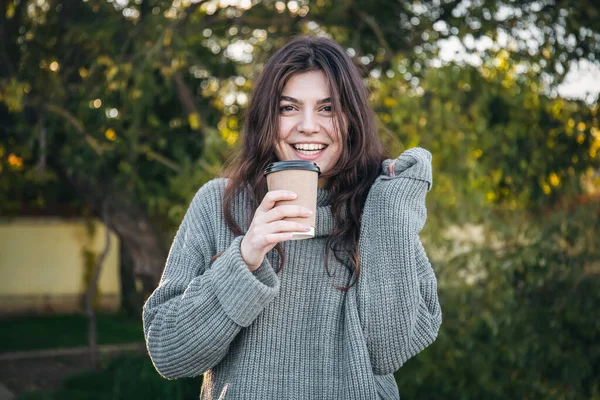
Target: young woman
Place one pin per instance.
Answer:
(332, 317)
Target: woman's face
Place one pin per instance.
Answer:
(306, 123)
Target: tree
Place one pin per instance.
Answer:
(142, 103)
(103, 83)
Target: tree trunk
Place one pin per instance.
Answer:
(141, 242)
(134, 228)
(91, 292)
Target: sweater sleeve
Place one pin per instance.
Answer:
(397, 288)
(197, 310)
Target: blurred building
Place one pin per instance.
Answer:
(46, 264)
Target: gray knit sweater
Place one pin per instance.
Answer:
(293, 335)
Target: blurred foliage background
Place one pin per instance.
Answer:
(133, 105)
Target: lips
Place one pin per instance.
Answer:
(302, 152)
(309, 146)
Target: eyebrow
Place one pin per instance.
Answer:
(293, 100)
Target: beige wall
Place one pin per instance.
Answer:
(42, 265)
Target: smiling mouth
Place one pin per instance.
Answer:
(310, 149)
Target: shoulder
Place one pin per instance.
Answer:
(412, 164)
(210, 195)
(204, 210)
(212, 189)
(208, 204)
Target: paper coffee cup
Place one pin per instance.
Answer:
(302, 178)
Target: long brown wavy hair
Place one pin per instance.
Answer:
(362, 151)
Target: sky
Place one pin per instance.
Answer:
(581, 82)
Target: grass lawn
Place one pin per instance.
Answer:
(129, 377)
(44, 332)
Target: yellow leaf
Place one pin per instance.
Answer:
(232, 123)
(194, 121)
(104, 60)
(554, 179)
(15, 161)
(167, 37)
(110, 74)
(230, 136)
(546, 53)
(557, 106)
(546, 188)
(389, 102)
(10, 11)
(569, 127)
(167, 72)
(110, 134)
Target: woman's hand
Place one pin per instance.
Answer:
(267, 228)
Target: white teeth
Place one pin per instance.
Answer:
(307, 146)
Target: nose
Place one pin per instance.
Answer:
(309, 123)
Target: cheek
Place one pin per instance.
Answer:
(337, 150)
(279, 151)
(337, 153)
(282, 135)
(285, 128)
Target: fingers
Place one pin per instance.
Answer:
(274, 238)
(281, 231)
(286, 226)
(262, 238)
(273, 197)
(268, 226)
(285, 211)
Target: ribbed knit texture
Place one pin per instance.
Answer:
(292, 335)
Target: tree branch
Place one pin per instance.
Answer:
(370, 21)
(177, 24)
(97, 147)
(41, 165)
(75, 123)
(184, 94)
(4, 39)
(167, 162)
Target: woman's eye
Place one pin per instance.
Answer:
(326, 109)
(286, 108)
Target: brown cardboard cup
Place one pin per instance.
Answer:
(302, 178)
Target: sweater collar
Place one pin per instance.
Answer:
(323, 197)
(324, 220)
